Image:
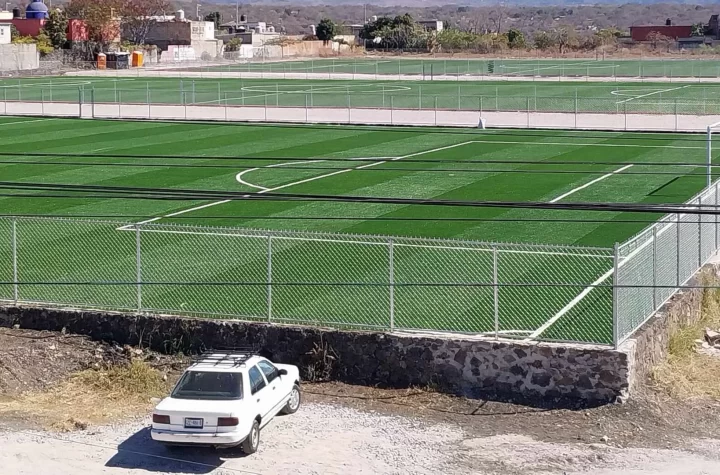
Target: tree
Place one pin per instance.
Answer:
(326, 30)
(136, 17)
(14, 33)
(100, 23)
(43, 43)
(698, 29)
(543, 40)
(564, 37)
(515, 39)
(56, 28)
(216, 18)
(658, 39)
(233, 45)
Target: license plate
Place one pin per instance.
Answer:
(192, 423)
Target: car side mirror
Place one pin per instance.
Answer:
(282, 372)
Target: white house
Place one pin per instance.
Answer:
(5, 33)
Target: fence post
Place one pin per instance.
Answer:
(616, 296)
(92, 102)
(654, 267)
(716, 216)
(677, 253)
(138, 267)
(700, 231)
(709, 156)
(269, 279)
(391, 278)
(16, 290)
(496, 293)
(392, 106)
(528, 112)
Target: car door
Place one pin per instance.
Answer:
(259, 392)
(276, 387)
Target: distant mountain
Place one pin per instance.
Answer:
(296, 16)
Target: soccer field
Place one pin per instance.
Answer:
(500, 67)
(655, 98)
(330, 267)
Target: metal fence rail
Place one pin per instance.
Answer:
(697, 101)
(332, 280)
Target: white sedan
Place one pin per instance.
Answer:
(224, 399)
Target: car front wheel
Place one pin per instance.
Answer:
(293, 403)
(252, 442)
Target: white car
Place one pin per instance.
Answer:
(224, 399)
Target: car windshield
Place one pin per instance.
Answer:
(209, 385)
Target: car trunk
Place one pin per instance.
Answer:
(192, 415)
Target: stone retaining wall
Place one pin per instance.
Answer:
(537, 374)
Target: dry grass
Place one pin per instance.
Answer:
(93, 397)
(687, 374)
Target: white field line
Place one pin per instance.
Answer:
(652, 94)
(130, 227)
(319, 90)
(238, 177)
(590, 183)
(439, 149)
(559, 66)
(240, 180)
(24, 121)
(597, 282)
(261, 68)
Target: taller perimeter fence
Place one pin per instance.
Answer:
(529, 292)
(408, 68)
(379, 106)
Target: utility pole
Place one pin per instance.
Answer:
(365, 6)
(197, 11)
(237, 13)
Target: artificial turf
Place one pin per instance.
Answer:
(655, 98)
(337, 279)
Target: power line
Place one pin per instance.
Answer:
(377, 169)
(115, 192)
(346, 160)
(338, 218)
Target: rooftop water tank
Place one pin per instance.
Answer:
(16, 13)
(180, 15)
(37, 10)
(243, 18)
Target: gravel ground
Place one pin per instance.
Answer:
(332, 439)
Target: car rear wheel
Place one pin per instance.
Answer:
(252, 442)
(293, 403)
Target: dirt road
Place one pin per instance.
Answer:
(331, 439)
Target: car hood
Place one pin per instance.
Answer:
(222, 408)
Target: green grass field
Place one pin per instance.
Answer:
(338, 279)
(655, 98)
(501, 67)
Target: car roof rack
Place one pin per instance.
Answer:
(234, 356)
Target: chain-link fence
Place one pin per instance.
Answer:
(696, 101)
(654, 264)
(331, 280)
(531, 292)
(270, 60)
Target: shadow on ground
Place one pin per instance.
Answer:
(139, 451)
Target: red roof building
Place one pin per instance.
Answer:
(641, 33)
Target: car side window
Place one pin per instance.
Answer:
(269, 370)
(256, 380)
